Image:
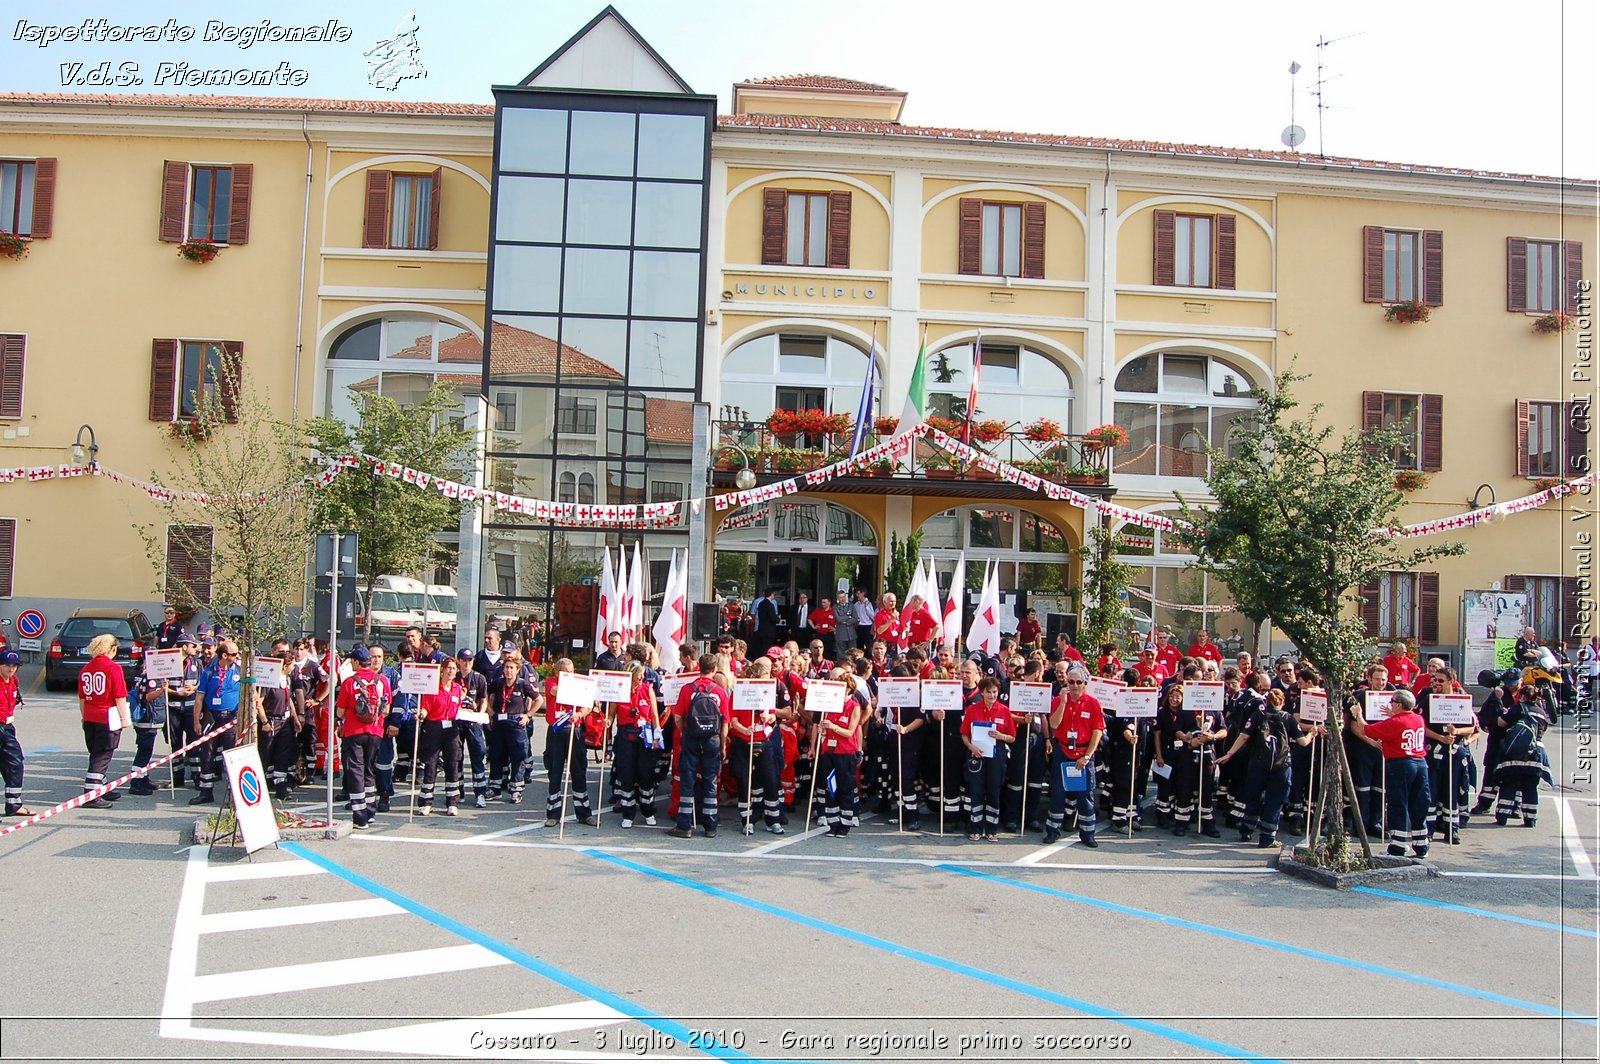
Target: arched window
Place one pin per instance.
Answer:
(568, 489)
(1016, 385)
(585, 487)
(1168, 590)
(1033, 551)
(1173, 405)
(792, 371)
(400, 358)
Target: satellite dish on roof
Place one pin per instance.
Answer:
(1293, 136)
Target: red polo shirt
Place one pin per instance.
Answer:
(1080, 719)
(1402, 735)
(100, 685)
(1206, 650)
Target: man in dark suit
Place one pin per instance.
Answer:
(765, 615)
(799, 617)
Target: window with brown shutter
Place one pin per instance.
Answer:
(206, 202)
(232, 380)
(1572, 252)
(969, 238)
(1372, 264)
(1516, 274)
(12, 354)
(839, 229)
(1432, 433)
(402, 210)
(163, 380)
(188, 575)
(187, 376)
(239, 203)
(1369, 607)
(774, 223)
(805, 228)
(27, 197)
(1195, 250)
(1575, 416)
(1433, 267)
(1428, 608)
(1033, 240)
(375, 222)
(1000, 239)
(174, 191)
(1165, 270)
(8, 554)
(1539, 429)
(1419, 419)
(1402, 265)
(1396, 605)
(1227, 251)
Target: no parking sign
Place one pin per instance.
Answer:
(251, 803)
(30, 626)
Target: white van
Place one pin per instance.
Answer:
(439, 613)
(431, 607)
(391, 615)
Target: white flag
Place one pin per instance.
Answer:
(608, 604)
(952, 608)
(985, 634)
(638, 591)
(930, 600)
(617, 621)
(668, 623)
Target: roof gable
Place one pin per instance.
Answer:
(607, 54)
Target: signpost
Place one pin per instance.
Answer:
(252, 806)
(30, 630)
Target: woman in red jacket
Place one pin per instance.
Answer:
(439, 739)
(103, 704)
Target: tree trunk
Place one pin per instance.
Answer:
(1338, 786)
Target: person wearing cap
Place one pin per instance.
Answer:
(280, 725)
(514, 699)
(169, 630)
(150, 715)
(473, 742)
(359, 738)
(1147, 665)
(103, 705)
(216, 705)
(180, 712)
(1403, 737)
(11, 756)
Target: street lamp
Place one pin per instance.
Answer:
(1474, 504)
(745, 479)
(77, 445)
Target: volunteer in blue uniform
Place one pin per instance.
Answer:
(474, 744)
(397, 725)
(169, 630)
(216, 705)
(180, 713)
(515, 701)
(149, 719)
(278, 726)
(11, 756)
(1451, 772)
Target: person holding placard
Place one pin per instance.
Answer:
(987, 731)
(1077, 724)
(566, 756)
(1271, 734)
(1239, 705)
(907, 725)
(514, 699)
(1197, 727)
(439, 740)
(839, 755)
(1028, 764)
(280, 727)
(149, 719)
(1301, 763)
(755, 753)
(1365, 755)
(1451, 772)
(216, 704)
(1402, 736)
(1128, 763)
(474, 743)
(634, 756)
(1168, 749)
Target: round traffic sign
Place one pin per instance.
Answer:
(30, 623)
(249, 786)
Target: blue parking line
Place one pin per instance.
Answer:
(533, 964)
(1222, 1049)
(1469, 910)
(1284, 947)
(46, 749)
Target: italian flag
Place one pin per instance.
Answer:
(915, 411)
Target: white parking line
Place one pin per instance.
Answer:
(251, 982)
(1045, 851)
(271, 870)
(291, 915)
(790, 841)
(1569, 831)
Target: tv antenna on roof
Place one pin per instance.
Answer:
(1292, 136)
(1319, 89)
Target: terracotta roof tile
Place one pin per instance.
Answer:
(518, 353)
(802, 123)
(668, 420)
(818, 81)
(251, 103)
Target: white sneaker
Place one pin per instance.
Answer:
(627, 823)
(749, 829)
(480, 802)
(650, 821)
(776, 829)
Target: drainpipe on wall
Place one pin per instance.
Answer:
(300, 290)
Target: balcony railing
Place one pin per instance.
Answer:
(1067, 459)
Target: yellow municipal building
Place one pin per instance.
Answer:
(637, 297)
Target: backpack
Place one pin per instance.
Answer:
(370, 704)
(1272, 752)
(704, 718)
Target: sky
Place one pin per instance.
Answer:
(1427, 82)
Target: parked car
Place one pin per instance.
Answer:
(68, 650)
(391, 613)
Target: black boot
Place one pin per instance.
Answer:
(205, 797)
(141, 788)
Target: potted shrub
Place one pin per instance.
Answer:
(948, 426)
(1049, 468)
(941, 466)
(1103, 436)
(1409, 480)
(808, 422)
(199, 250)
(990, 431)
(1554, 323)
(884, 467)
(1043, 430)
(13, 246)
(793, 460)
(1546, 483)
(885, 426)
(1407, 311)
(197, 429)
(1088, 474)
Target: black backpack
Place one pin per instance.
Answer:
(370, 703)
(704, 718)
(1272, 750)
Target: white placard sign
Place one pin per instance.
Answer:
(1030, 697)
(1314, 705)
(268, 672)
(252, 804)
(900, 692)
(1203, 696)
(472, 716)
(575, 689)
(612, 686)
(755, 695)
(1451, 709)
(419, 678)
(1105, 692)
(672, 686)
(940, 695)
(825, 696)
(1377, 704)
(164, 664)
(1134, 702)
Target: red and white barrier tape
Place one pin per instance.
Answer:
(89, 796)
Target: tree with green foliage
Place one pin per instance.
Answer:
(903, 555)
(1105, 587)
(254, 528)
(398, 524)
(1292, 535)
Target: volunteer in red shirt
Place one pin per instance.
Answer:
(638, 743)
(566, 754)
(700, 752)
(1028, 630)
(1166, 653)
(103, 703)
(917, 626)
(886, 622)
(1065, 651)
(1108, 664)
(986, 774)
(825, 623)
(1404, 736)
(1077, 724)
(1402, 666)
(11, 756)
(439, 740)
(836, 762)
(1148, 666)
(360, 736)
(1203, 647)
